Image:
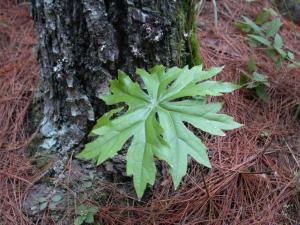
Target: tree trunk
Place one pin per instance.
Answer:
(82, 43)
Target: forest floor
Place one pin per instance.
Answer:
(255, 177)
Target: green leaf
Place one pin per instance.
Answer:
(251, 64)
(125, 90)
(185, 85)
(252, 25)
(271, 11)
(278, 43)
(182, 141)
(87, 184)
(243, 27)
(253, 43)
(89, 218)
(271, 53)
(93, 210)
(252, 85)
(155, 121)
(272, 28)
(291, 55)
(260, 39)
(42, 199)
(140, 154)
(260, 78)
(243, 79)
(43, 205)
(80, 210)
(213, 88)
(261, 93)
(56, 198)
(105, 119)
(281, 52)
(262, 17)
(79, 220)
(278, 63)
(264, 133)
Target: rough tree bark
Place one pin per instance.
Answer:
(82, 43)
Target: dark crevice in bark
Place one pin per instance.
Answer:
(117, 14)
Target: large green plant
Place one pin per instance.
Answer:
(155, 120)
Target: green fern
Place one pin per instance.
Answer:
(155, 121)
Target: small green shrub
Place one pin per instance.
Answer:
(252, 79)
(85, 214)
(266, 34)
(155, 121)
(49, 202)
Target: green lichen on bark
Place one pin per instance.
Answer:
(194, 44)
(187, 30)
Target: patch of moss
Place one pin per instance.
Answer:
(181, 49)
(187, 38)
(194, 42)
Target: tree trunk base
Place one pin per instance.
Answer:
(82, 44)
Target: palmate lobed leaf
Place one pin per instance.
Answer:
(155, 121)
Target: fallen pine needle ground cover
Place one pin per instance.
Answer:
(255, 177)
